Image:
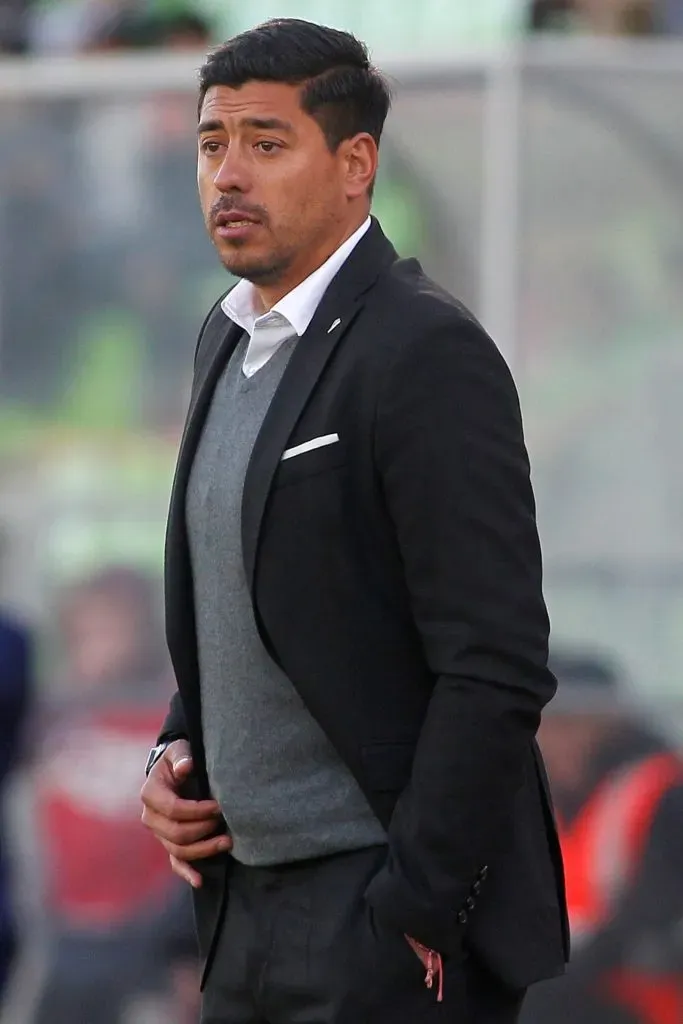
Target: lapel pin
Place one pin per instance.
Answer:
(335, 324)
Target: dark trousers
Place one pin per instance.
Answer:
(299, 945)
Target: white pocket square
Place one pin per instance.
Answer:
(309, 446)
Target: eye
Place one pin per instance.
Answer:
(210, 146)
(267, 146)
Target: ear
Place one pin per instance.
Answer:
(360, 164)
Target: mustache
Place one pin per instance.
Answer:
(226, 204)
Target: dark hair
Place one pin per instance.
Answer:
(342, 90)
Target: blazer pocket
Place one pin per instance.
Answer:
(311, 463)
(388, 765)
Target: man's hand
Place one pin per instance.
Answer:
(420, 951)
(432, 963)
(186, 828)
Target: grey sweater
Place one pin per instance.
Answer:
(285, 793)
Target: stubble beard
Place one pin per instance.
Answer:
(266, 270)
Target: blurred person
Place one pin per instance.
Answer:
(14, 26)
(618, 788)
(107, 889)
(60, 27)
(638, 18)
(616, 17)
(353, 586)
(16, 693)
(552, 16)
(142, 27)
(185, 30)
(54, 269)
(598, 17)
(98, 26)
(158, 273)
(668, 16)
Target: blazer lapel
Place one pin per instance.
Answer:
(213, 355)
(340, 305)
(213, 361)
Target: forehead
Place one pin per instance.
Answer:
(254, 99)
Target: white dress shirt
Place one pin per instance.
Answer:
(288, 317)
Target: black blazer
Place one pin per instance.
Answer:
(396, 579)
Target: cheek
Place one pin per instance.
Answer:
(206, 191)
(305, 181)
(312, 199)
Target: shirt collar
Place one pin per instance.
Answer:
(298, 306)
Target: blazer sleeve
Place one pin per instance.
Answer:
(175, 726)
(454, 470)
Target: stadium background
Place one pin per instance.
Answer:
(534, 162)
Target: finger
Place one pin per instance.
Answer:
(167, 803)
(182, 766)
(179, 753)
(199, 851)
(180, 833)
(184, 871)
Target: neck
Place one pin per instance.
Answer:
(268, 295)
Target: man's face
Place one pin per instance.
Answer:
(272, 193)
(569, 743)
(102, 637)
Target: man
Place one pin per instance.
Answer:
(16, 692)
(619, 791)
(353, 593)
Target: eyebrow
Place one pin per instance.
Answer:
(261, 123)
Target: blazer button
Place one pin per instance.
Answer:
(476, 888)
(483, 874)
(469, 903)
(462, 917)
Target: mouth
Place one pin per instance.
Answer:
(226, 218)
(235, 224)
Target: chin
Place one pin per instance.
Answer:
(258, 271)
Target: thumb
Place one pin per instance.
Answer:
(182, 766)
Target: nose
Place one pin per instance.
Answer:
(232, 176)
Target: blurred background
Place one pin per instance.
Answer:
(534, 163)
